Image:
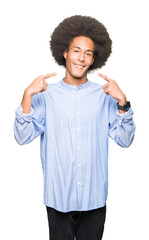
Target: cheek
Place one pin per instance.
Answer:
(89, 62)
(92, 61)
(70, 58)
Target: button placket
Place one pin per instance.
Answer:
(78, 148)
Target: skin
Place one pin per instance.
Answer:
(79, 58)
(38, 85)
(112, 88)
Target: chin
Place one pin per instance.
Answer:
(79, 76)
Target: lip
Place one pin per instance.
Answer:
(79, 66)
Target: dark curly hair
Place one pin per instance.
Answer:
(81, 26)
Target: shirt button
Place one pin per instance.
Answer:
(78, 129)
(78, 165)
(78, 112)
(78, 147)
(78, 183)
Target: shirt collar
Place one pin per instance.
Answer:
(70, 86)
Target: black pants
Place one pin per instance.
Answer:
(85, 225)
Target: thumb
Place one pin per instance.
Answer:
(45, 84)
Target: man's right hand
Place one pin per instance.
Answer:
(38, 85)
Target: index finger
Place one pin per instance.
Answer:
(104, 77)
(49, 75)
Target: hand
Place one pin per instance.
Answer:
(39, 84)
(111, 88)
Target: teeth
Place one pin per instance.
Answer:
(79, 66)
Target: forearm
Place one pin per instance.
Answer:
(29, 125)
(122, 128)
(26, 102)
(122, 102)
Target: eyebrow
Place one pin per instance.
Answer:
(88, 50)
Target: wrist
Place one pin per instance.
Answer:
(123, 100)
(28, 93)
(124, 107)
(26, 102)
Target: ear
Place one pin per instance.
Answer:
(65, 54)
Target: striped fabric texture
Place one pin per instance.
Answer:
(74, 124)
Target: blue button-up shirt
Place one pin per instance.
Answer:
(74, 124)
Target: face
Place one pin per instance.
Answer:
(79, 57)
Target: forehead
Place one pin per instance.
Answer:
(83, 43)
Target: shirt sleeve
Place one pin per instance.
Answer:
(121, 126)
(29, 126)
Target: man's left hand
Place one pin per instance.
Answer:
(111, 88)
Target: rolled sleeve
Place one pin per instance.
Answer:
(28, 126)
(124, 116)
(24, 116)
(121, 125)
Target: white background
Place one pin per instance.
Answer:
(24, 54)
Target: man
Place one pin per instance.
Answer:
(75, 117)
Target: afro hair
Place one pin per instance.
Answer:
(76, 26)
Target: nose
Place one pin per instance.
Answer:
(81, 56)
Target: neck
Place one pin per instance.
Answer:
(75, 81)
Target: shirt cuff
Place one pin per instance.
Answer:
(124, 116)
(24, 116)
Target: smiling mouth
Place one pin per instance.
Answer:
(79, 66)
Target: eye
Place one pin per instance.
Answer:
(89, 54)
